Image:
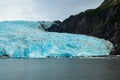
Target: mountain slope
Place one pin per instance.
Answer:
(102, 22)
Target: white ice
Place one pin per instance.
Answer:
(28, 39)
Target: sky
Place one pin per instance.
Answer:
(43, 10)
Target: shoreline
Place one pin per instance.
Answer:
(74, 57)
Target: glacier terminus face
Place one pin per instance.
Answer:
(28, 39)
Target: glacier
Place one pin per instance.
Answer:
(28, 39)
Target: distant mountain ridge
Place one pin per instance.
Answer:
(102, 22)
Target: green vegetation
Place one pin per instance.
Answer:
(105, 7)
(109, 3)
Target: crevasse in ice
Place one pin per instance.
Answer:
(28, 39)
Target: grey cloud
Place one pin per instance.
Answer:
(43, 9)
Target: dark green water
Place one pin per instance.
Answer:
(60, 69)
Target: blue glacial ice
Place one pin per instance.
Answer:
(28, 39)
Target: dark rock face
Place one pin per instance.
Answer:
(102, 22)
(55, 27)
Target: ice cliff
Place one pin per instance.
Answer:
(28, 39)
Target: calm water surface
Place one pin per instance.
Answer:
(60, 69)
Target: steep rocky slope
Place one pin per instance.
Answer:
(102, 22)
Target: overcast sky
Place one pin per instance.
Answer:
(47, 10)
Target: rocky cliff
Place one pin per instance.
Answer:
(102, 22)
